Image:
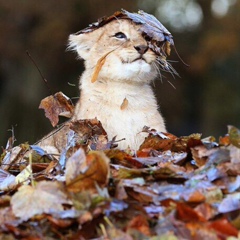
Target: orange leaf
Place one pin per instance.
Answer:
(224, 141)
(193, 196)
(187, 214)
(124, 104)
(224, 227)
(97, 171)
(98, 68)
(140, 223)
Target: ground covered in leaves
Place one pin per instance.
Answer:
(171, 188)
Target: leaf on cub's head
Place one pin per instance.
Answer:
(157, 36)
(159, 39)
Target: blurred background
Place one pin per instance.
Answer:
(206, 97)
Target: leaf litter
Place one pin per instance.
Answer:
(171, 188)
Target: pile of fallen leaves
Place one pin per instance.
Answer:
(171, 188)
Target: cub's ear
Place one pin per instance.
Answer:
(83, 42)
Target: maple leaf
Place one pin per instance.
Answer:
(46, 197)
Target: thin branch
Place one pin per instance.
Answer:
(43, 78)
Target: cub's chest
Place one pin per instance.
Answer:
(119, 97)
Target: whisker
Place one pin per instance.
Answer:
(171, 84)
(172, 61)
(158, 70)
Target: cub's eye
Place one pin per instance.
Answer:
(120, 35)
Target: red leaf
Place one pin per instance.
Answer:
(187, 214)
(224, 227)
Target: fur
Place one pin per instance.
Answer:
(121, 97)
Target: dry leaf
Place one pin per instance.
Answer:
(187, 214)
(75, 165)
(7, 181)
(98, 68)
(193, 196)
(234, 136)
(46, 197)
(24, 175)
(97, 172)
(141, 224)
(223, 226)
(55, 105)
(11, 157)
(124, 104)
(230, 203)
(157, 36)
(99, 65)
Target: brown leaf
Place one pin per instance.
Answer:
(140, 223)
(124, 104)
(56, 105)
(223, 226)
(185, 143)
(62, 223)
(193, 196)
(87, 129)
(187, 214)
(7, 219)
(11, 157)
(200, 154)
(75, 165)
(97, 172)
(157, 143)
(120, 157)
(159, 39)
(98, 68)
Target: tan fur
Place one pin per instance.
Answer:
(121, 97)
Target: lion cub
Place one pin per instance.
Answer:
(120, 96)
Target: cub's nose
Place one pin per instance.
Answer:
(141, 48)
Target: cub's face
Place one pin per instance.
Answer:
(127, 56)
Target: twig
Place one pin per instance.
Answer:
(43, 78)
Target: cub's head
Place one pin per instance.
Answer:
(119, 50)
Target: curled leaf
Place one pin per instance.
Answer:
(56, 105)
(98, 68)
(158, 38)
(96, 172)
